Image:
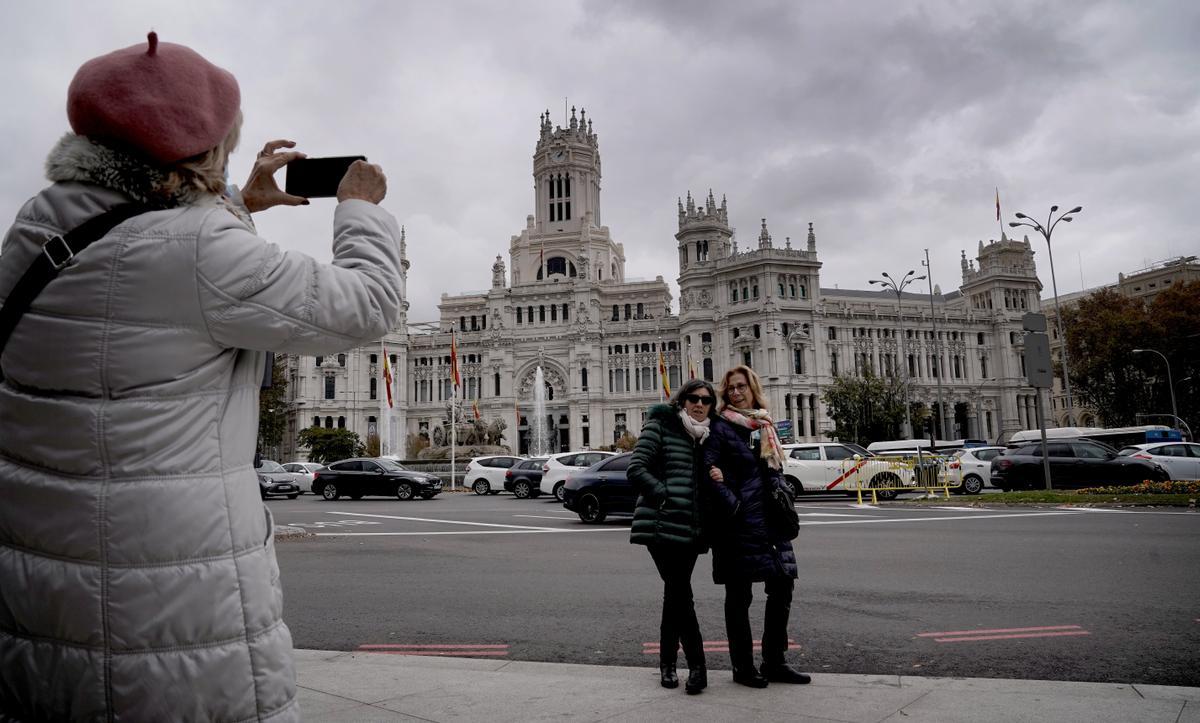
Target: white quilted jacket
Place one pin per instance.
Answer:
(137, 569)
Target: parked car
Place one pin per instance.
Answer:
(485, 475)
(523, 478)
(600, 490)
(303, 473)
(1074, 463)
(971, 468)
(363, 476)
(841, 467)
(274, 481)
(1181, 460)
(557, 466)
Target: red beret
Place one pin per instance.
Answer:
(162, 99)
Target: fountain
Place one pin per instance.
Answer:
(537, 425)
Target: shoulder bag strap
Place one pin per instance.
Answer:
(57, 253)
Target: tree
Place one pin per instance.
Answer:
(330, 445)
(865, 408)
(1106, 375)
(272, 409)
(625, 443)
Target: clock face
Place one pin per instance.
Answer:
(558, 155)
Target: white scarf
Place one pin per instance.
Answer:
(698, 430)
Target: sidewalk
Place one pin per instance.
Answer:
(339, 686)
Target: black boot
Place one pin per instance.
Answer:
(670, 679)
(784, 673)
(697, 680)
(749, 677)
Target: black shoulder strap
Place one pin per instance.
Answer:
(56, 254)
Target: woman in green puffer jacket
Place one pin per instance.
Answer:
(667, 469)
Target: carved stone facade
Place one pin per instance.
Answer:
(597, 335)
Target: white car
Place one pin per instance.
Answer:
(1181, 460)
(303, 473)
(558, 466)
(971, 468)
(843, 467)
(485, 475)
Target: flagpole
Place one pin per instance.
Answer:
(453, 406)
(383, 416)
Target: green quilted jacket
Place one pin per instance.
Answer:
(665, 470)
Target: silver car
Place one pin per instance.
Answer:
(1181, 460)
(303, 473)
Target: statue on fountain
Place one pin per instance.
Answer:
(472, 437)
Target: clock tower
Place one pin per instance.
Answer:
(564, 237)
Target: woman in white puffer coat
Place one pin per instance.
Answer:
(137, 571)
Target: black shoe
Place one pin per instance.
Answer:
(697, 680)
(749, 678)
(670, 679)
(784, 673)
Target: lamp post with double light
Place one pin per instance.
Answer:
(1170, 384)
(1046, 231)
(897, 288)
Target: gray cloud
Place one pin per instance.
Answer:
(887, 125)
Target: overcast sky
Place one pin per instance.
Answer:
(888, 125)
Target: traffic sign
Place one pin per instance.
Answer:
(1038, 369)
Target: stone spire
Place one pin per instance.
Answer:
(764, 236)
(812, 238)
(574, 120)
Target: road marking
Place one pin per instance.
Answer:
(1010, 637)
(550, 517)
(966, 636)
(958, 509)
(435, 646)
(829, 514)
(530, 531)
(1122, 512)
(999, 630)
(445, 522)
(880, 520)
(710, 646)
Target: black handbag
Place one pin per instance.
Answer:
(783, 522)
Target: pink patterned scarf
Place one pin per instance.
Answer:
(769, 448)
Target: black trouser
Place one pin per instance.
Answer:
(738, 597)
(679, 625)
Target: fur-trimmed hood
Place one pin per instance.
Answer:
(77, 158)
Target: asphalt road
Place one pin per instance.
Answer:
(1008, 592)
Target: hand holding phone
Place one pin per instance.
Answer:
(363, 181)
(318, 177)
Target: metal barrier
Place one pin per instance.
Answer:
(902, 473)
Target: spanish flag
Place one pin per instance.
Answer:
(454, 377)
(475, 408)
(662, 373)
(691, 369)
(387, 375)
(997, 203)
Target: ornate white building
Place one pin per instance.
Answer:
(570, 309)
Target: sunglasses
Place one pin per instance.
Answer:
(697, 399)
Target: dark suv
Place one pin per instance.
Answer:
(356, 478)
(1074, 463)
(523, 477)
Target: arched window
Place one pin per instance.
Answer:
(341, 360)
(341, 422)
(316, 421)
(374, 387)
(628, 310)
(328, 422)
(519, 314)
(616, 312)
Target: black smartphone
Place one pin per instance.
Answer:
(317, 177)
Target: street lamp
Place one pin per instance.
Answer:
(976, 394)
(898, 289)
(1170, 384)
(937, 348)
(1046, 231)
